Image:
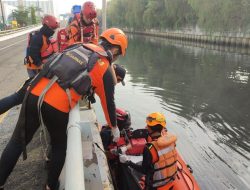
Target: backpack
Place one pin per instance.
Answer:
(30, 35)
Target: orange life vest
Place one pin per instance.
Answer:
(49, 48)
(62, 38)
(164, 158)
(56, 96)
(81, 33)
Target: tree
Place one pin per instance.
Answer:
(209, 15)
(179, 13)
(33, 15)
(153, 13)
(21, 16)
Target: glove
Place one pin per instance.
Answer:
(123, 158)
(123, 149)
(114, 151)
(115, 133)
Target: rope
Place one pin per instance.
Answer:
(183, 171)
(112, 177)
(43, 128)
(44, 147)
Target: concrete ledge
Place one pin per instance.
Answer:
(241, 42)
(96, 170)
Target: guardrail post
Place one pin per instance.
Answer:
(74, 170)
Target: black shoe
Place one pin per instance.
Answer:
(56, 188)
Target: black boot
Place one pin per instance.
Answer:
(45, 188)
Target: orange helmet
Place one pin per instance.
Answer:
(156, 118)
(51, 22)
(116, 36)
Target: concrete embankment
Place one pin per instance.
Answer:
(241, 42)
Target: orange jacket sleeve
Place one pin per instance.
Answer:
(103, 82)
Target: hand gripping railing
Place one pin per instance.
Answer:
(74, 174)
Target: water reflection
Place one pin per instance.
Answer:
(204, 95)
(198, 84)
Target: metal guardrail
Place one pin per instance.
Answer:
(6, 32)
(74, 170)
(86, 165)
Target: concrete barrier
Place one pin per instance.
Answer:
(208, 39)
(245, 42)
(86, 165)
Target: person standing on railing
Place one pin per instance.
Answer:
(56, 90)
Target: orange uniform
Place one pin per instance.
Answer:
(164, 158)
(159, 162)
(40, 48)
(79, 32)
(102, 81)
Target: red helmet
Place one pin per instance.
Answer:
(89, 10)
(51, 22)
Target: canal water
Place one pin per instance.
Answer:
(205, 96)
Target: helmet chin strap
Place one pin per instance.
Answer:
(110, 55)
(154, 135)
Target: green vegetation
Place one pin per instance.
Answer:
(21, 15)
(26, 15)
(209, 15)
(33, 15)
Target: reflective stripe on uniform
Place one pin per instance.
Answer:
(166, 150)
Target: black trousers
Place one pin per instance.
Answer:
(14, 99)
(56, 123)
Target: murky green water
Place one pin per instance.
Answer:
(205, 95)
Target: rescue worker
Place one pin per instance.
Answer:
(88, 67)
(84, 27)
(76, 9)
(62, 34)
(40, 45)
(17, 97)
(159, 154)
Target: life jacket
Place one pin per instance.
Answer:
(69, 73)
(83, 33)
(52, 48)
(164, 158)
(48, 49)
(62, 38)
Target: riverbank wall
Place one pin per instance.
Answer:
(220, 40)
